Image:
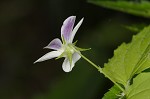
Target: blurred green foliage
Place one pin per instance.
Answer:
(135, 27)
(135, 7)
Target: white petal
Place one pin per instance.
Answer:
(49, 55)
(66, 65)
(75, 57)
(54, 44)
(75, 30)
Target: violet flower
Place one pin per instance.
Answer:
(66, 49)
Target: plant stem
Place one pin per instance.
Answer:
(113, 81)
(97, 67)
(100, 69)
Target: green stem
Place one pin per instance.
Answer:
(100, 69)
(113, 81)
(97, 67)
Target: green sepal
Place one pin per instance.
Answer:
(63, 40)
(62, 55)
(75, 42)
(69, 56)
(69, 53)
(82, 49)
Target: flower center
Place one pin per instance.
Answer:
(68, 48)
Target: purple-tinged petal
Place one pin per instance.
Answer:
(54, 44)
(75, 30)
(67, 27)
(66, 65)
(49, 55)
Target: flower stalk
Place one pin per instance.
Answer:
(100, 70)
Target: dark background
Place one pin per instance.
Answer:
(26, 26)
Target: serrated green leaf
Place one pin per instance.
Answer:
(141, 8)
(129, 59)
(113, 93)
(140, 89)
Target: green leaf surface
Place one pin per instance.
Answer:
(140, 89)
(113, 93)
(129, 59)
(141, 8)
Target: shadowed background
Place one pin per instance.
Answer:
(26, 26)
